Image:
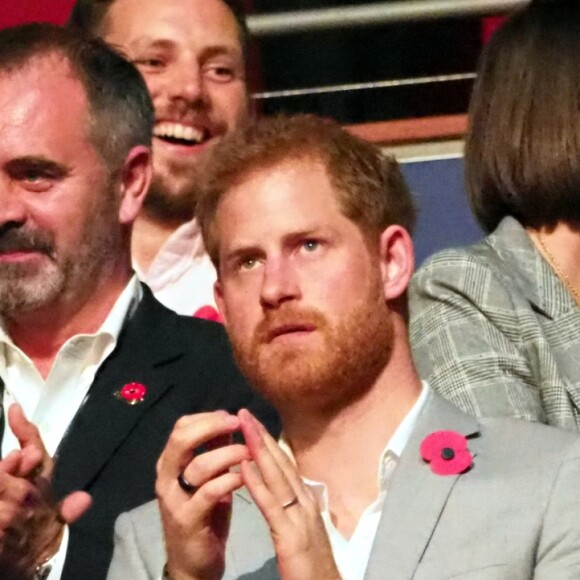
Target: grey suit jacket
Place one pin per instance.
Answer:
(494, 330)
(140, 550)
(513, 516)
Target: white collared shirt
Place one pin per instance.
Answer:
(182, 276)
(52, 404)
(352, 555)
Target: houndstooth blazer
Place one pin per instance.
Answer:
(495, 331)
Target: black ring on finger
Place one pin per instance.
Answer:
(187, 487)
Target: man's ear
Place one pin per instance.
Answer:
(219, 300)
(397, 259)
(136, 175)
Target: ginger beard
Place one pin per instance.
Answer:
(329, 376)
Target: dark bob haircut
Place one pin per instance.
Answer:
(523, 149)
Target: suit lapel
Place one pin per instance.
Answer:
(145, 350)
(525, 266)
(537, 281)
(416, 496)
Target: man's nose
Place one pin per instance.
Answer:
(186, 83)
(13, 210)
(279, 284)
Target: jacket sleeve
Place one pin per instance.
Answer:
(131, 559)
(465, 331)
(558, 554)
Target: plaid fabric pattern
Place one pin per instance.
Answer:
(495, 331)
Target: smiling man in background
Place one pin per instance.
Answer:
(191, 55)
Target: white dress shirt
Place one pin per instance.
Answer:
(352, 555)
(182, 276)
(52, 404)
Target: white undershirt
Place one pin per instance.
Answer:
(52, 404)
(352, 555)
(182, 275)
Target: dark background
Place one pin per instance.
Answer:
(369, 54)
(337, 57)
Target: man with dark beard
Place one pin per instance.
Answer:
(375, 475)
(101, 370)
(191, 55)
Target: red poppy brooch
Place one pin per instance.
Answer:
(446, 452)
(208, 313)
(132, 393)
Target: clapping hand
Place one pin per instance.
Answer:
(31, 521)
(302, 547)
(195, 493)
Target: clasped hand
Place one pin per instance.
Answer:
(196, 510)
(31, 522)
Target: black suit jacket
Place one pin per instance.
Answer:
(111, 448)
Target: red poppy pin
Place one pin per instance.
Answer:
(132, 393)
(446, 452)
(208, 313)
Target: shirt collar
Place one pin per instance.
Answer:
(400, 437)
(390, 455)
(124, 308)
(183, 247)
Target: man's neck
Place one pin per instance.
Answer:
(41, 333)
(328, 449)
(149, 236)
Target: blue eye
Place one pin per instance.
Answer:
(310, 245)
(248, 264)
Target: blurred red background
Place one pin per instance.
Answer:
(19, 11)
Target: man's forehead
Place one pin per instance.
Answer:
(161, 18)
(39, 96)
(294, 195)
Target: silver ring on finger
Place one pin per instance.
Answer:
(290, 503)
(185, 485)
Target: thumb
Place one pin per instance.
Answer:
(74, 506)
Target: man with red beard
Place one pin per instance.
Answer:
(375, 475)
(191, 55)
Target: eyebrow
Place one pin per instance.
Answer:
(242, 252)
(151, 42)
(168, 44)
(36, 163)
(289, 239)
(220, 50)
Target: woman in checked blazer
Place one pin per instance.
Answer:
(495, 327)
